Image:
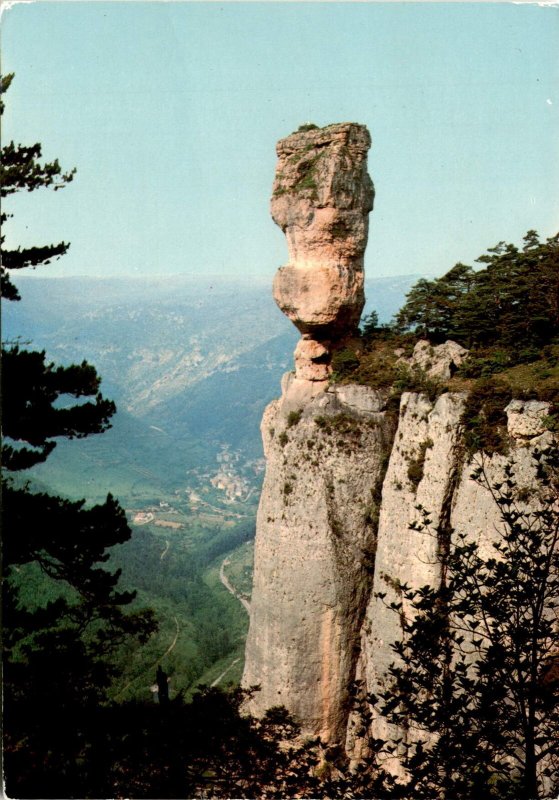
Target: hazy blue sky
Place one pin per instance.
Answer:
(171, 112)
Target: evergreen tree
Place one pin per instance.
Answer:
(56, 645)
(20, 169)
(512, 303)
(421, 311)
(369, 326)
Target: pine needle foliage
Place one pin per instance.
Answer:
(56, 654)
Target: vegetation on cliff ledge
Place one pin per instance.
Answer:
(506, 313)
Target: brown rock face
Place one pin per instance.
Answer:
(321, 200)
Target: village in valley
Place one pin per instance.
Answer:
(226, 494)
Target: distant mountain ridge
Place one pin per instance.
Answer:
(198, 359)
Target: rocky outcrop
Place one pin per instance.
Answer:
(322, 196)
(438, 361)
(344, 482)
(429, 469)
(348, 475)
(526, 419)
(423, 470)
(316, 537)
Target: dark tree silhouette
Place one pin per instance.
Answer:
(58, 638)
(21, 170)
(162, 686)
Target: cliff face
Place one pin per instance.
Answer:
(423, 470)
(348, 472)
(344, 479)
(429, 468)
(314, 552)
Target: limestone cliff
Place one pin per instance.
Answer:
(348, 467)
(344, 478)
(321, 199)
(429, 468)
(316, 538)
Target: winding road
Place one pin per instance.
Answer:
(171, 646)
(225, 581)
(155, 664)
(224, 673)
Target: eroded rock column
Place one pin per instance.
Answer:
(325, 446)
(322, 196)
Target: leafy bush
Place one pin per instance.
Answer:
(293, 418)
(484, 420)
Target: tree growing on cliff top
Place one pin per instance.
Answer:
(475, 687)
(512, 303)
(56, 644)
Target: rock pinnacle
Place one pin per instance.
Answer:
(322, 196)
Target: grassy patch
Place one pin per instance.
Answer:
(484, 419)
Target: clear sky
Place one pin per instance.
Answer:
(171, 112)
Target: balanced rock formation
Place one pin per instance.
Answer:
(322, 196)
(349, 469)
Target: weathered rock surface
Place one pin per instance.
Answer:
(436, 361)
(342, 487)
(422, 471)
(322, 196)
(315, 540)
(526, 418)
(429, 434)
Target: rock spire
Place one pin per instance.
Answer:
(322, 196)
